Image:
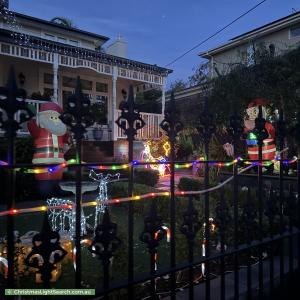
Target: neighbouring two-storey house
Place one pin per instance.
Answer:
(277, 37)
(48, 57)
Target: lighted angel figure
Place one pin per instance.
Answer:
(102, 197)
(146, 156)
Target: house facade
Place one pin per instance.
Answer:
(276, 37)
(47, 58)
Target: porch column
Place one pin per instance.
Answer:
(55, 78)
(163, 97)
(114, 127)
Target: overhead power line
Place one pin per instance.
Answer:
(216, 33)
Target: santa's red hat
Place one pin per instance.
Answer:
(258, 102)
(50, 106)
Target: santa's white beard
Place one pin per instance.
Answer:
(56, 128)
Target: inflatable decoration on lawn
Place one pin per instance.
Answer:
(268, 147)
(146, 156)
(50, 136)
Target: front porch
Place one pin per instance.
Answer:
(36, 79)
(150, 131)
(51, 75)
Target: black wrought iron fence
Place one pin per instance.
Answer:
(248, 230)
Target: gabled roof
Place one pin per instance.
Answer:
(274, 23)
(55, 25)
(269, 28)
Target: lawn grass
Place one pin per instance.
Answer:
(91, 266)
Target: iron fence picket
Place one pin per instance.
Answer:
(207, 229)
(11, 105)
(281, 208)
(298, 211)
(249, 214)
(291, 207)
(270, 214)
(78, 201)
(236, 221)
(172, 126)
(131, 122)
(172, 218)
(222, 225)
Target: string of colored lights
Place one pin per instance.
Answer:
(127, 199)
(52, 169)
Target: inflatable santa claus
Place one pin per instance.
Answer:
(50, 136)
(268, 147)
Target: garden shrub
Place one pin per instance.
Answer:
(146, 176)
(185, 147)
(190, 184)
(70, 175)
(24, 149)
(120, 190)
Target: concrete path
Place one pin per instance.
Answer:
(164, 182)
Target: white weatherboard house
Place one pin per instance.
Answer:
(47, 58)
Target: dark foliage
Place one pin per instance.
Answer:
(148, 101)
(274, 78)
(146, 176)
(190, 184)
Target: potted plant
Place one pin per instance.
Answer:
(99, 113)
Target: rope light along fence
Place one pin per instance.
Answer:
(178, 165)
(148, 195)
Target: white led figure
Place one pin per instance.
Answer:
(147, 157)
(62, 216)
(102, 197)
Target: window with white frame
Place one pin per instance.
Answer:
(61, 39)
(101, 87)
(73, 43)
(295, 32)
(50, 36)
(250, 55)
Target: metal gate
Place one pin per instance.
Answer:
(270, 246)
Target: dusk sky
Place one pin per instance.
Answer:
(158, 31)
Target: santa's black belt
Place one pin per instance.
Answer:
(49, 150)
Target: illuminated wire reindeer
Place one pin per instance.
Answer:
(62, 216)
(102, 197)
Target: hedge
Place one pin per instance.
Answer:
(146, 176)
(190, 184)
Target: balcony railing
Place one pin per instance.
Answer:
(68, 60)
(150, 131)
